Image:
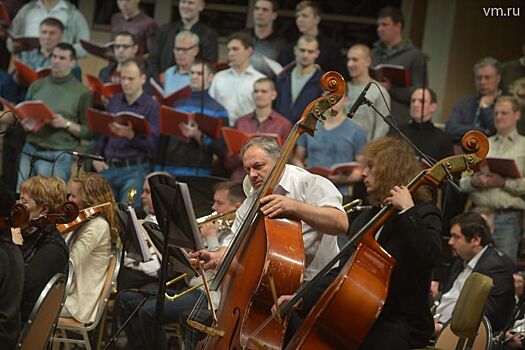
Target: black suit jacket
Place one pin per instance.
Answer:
(500, 268)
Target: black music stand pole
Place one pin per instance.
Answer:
(159, 308)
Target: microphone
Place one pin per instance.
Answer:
(37, 157)
(86, 155)
(360, 100)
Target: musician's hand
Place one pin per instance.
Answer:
(208, 260)
(400, 198)
(100, 166)
(58, 121)
(437, 328)
(210, 229)
(283, 299)
(191, 130)
(276, 205)
(513, 340)
(122, 130)
(16, 236)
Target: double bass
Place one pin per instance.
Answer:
(266, 257)
(345, 312)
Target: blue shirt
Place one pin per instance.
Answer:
(141, 146)
(174, 81)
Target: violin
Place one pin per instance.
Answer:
(18, 217)
(68, 213)
(83, 216)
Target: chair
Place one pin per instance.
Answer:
(467, 327)
(44, 315)
(70, 324)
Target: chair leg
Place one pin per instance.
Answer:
(101, 329)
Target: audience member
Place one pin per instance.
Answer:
(307, 19)
(393, 48)
(68, 126)
(27, 20)
(338, 141)
(185, 50)
(11, 277)
(195, 156)
(434, 142)
(232, 87)
(89, 246)
(131, 19)
(128, 153)
(502, 195)
(513, 83)
(299, 84)
(263, 119)
(476, 112)
(141, 329)
(358, 64)
(44, 250)
(124, 48)
(51, 33)
(161, 53)
(471, 242)
(267, 43)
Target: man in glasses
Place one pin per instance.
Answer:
(185, 49)
(124, 48)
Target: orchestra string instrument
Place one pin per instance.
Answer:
(266, 257)
(18, 217)
(355, 206)
(68, 212)
(83, 216)
(362, 285)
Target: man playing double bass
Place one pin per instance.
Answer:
(412, 237)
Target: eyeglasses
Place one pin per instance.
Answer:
(122, 46)
(183, 49)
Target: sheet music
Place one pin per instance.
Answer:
(199, 242)
(144, 249)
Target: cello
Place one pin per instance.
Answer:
(266, 257)
(347, 309)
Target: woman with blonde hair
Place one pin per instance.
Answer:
(90, 246)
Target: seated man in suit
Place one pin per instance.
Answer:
(470, 241)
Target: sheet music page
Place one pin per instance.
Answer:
(144, 249)
(199, 242)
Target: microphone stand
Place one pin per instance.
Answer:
(81, 161)
(389, 121)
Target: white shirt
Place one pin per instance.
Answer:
(39, 13)
(234, 91)
(449, 299)
(299, 184)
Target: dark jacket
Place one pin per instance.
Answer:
(161, 53)
(311, 91)
(500, 268)
(45, 254)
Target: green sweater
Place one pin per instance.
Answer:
(68, 97)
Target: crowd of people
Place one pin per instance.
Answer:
(263, 90)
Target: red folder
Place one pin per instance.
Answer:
(235, 138)
(170, 119)
(5, 19)
(168, 99)
(32, 114)
(23, 43)
(398, 75)
(345, 168)
(99, 121)
(505, 167)
(27, 74)
(100, 50)
(100, 89)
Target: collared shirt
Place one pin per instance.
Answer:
(39, 13)
(141, 26)
(275, 124)
(511, 195)
(141, 146)
(35, 59)
(449, 299)
(299, 184)
(174, 80)
(238, 101)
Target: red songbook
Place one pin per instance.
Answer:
(170, 119)
(344, 168)
(220, 65)
(22, 43)
(27, 74)
(398, 75)
(99, 121)
(165, 98)
(32, 114)
(505, 167)
(5, 19)
(100, 89)
(235, 138)
(100, 50)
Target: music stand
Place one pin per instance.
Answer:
(201, 191)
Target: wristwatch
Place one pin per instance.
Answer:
(68, 124)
